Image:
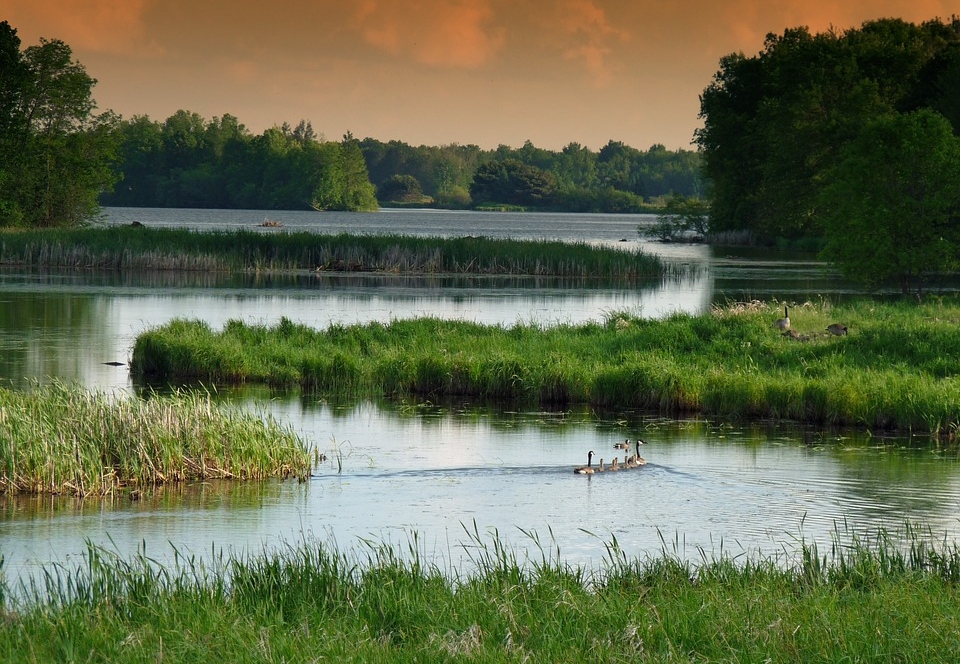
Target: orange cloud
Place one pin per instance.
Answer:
(100, 26)
(449, 34)
(587, 27)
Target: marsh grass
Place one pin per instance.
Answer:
(138, 248)
(899, 368)
(868, 599)
(64, 439)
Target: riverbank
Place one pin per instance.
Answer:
(865, 601)
(898, 368)
(60, 439)
(142, 248)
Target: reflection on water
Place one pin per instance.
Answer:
(393, 469)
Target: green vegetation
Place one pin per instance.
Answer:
(898, 368)
(62, 439)
(866, 601)
(56, 156)
(128, 247)
(850, 137)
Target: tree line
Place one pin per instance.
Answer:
(847, 136)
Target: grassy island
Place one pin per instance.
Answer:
(59, 439)
(898, 368)
(864, 602)
(142, 248)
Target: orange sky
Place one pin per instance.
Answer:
(431, 72)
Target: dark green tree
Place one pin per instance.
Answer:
(400, 189)
(891, 206)
(55, 153)
(512, 182)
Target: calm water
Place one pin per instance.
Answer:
(434, 470)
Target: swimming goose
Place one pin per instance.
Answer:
(586, 470)
(640, 460)
(783, 323)
(625, 445)
(838, 329)
(615, 464)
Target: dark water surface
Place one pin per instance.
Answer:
(398, 469)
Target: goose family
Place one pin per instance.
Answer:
(588, 469)
(629, 461)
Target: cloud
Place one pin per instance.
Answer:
(589, 36)
(458, 34)
(100, 26)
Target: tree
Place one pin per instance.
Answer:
(55, 155)
(400, 189)
(892, 203)
(513, 182)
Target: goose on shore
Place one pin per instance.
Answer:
(837, 329)
(783, 323)
(588, 469)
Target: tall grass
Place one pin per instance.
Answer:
(63, 439)
(899, 368)
(128, 248)
(866, 601)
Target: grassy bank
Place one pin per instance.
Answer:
(61, 439)
(898, 367)
(139, 248)
(863, 602)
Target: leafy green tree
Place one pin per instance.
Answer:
(400, 189)
(892, 203)
(56, 154)
(513, 182)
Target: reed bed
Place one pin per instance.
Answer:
(139, 248)
(899, 367)
(866, 600)
(60, 439)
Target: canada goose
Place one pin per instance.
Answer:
(625, 445)
(783, 323)
(838, 329)
(600, 467)
(588, 469)
(615, 464)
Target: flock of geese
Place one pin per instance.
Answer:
(783, 324)
(629, 460)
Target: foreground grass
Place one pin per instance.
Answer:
(862, 602)
(139, 248)
(62, 439)
(898, 368)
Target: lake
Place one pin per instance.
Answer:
(440, 470)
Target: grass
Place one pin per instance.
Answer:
(62, 439)
(867, 600)
(138, 248)
(899, 368)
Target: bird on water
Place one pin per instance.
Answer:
(588, 469)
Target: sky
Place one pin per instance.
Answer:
(432, 72)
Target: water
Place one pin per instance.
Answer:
(439, 471)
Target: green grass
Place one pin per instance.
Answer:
(63, 439)
(130, 248)
(867, 600)
(899, 368)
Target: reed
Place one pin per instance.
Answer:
(899, 368)
(62, 439)
(867, 600)
(129, 248)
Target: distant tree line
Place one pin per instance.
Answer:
(617, 178)
(186, 161)
(851, 137)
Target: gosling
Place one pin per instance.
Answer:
(837, 329)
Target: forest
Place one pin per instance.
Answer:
(188, 161)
